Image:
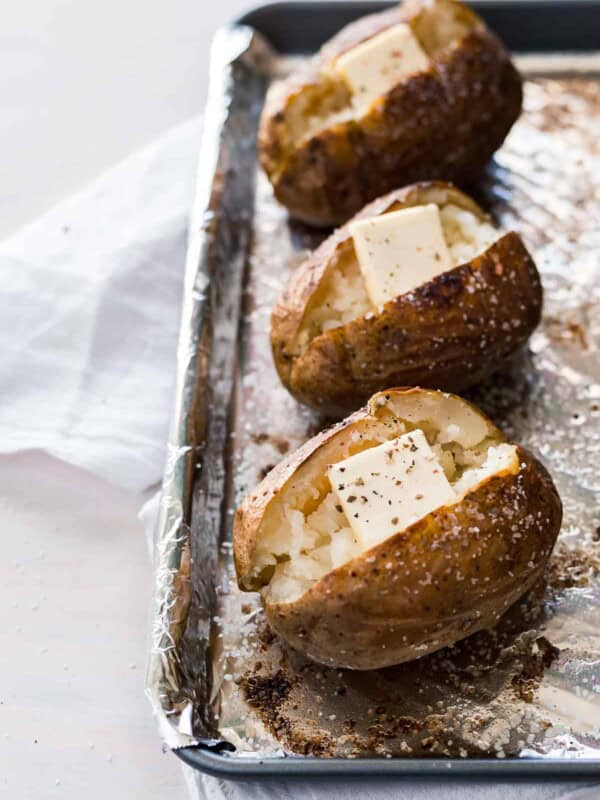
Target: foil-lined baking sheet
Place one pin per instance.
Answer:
(531, 686)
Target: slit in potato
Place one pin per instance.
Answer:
(328, 99)
(333, 348)
(367, 114)
(307, 534)
(342, 296)
(448, 574)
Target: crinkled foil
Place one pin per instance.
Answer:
(531, 686)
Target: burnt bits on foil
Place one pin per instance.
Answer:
(531, 686)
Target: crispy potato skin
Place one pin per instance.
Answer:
(448, 334)
(445, 123)
(447, 576)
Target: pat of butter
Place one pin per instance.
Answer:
(375, 66)
(386, 488)
(400, 250)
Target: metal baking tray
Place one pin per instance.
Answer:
(232, 420)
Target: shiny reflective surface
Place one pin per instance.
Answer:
(529, 688)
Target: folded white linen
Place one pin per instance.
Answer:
(91, 296)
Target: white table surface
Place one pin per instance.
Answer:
(81, 86)
(84, 84)
(74, 592)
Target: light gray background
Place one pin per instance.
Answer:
(82, 84)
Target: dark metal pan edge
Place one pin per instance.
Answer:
(524, 25)
(299, 768)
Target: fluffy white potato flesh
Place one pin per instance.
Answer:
(376, 65)
(307, 531)
(465, 234)
(343, 296)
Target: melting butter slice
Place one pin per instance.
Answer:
(386, 488)
(375, 66)
(400, 250)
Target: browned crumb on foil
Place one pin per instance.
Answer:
(542, 655)
(557, 112)
(482, 696)
(568, 330)
(268, 695)
(454, 703)
(280, 443)
(441, 705)
(264, 471)
(572, 567)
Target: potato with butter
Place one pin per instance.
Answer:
(401, 530)
(419, 289)
(421, 91)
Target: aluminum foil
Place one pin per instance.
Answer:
(530, 687)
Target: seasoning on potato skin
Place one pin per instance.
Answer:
(444, 577)
(450, 333)
(442, 123)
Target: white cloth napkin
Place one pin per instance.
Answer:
(90, 312)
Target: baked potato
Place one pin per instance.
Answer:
(391, 590)
(333, 346)
(328, 150)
